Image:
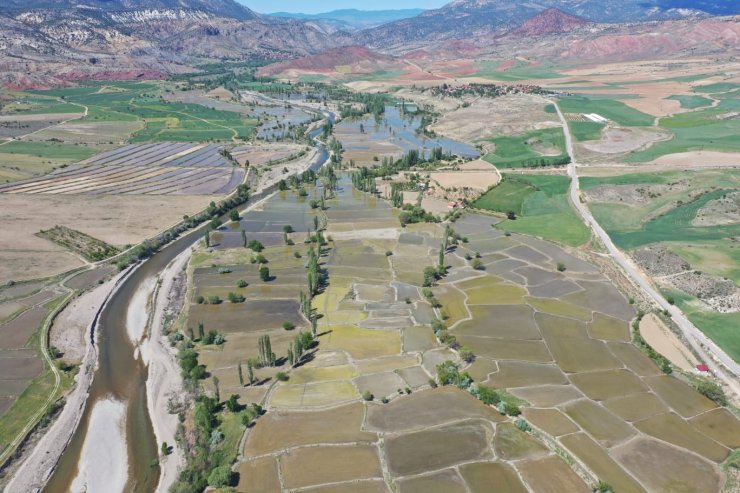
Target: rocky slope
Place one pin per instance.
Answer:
(462, 19)
(550, 21)
(131, 38)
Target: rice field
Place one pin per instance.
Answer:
(360, 414)
(150, 169)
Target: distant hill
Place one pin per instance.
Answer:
(222, 8)
(353, 18)
(462, 19)
(550, 21)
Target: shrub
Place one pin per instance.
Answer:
(467, 355)
(388, 253)
(220, 477)
(236, 298)
(264, 273)
(200, 300)
(288, 325)
(214, 300)
(487, 395)
(282, 376)
(478, 265)
(523, 425)
(297, 254)
(712, 391)
(287, 229)
(242, 283)
(367, 395)
(255, 246)
(561, 267)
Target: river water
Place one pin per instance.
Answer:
(121, 378)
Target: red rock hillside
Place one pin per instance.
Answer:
(550, 21)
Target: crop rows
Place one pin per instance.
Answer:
(141, 169)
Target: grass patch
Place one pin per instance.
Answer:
(163, 120)
(717, 326)
(509, 195)
(691, 102)
(716, 87)
(676, 224)
(612, 109)
(48, 150)
(519, 71)
(542, 204)
(708, 129)
(720, 258)
(529, 149)
(80, 243)
(586, 130)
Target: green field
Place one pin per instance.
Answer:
(718, 326)
(676, 224)
(48, 150)
(527, 150)
(612, 109)
(716, 87)
(691, 102)
(585, 130)
(542, 204)
(163, 120)
(699, 130)
(717, 257)
(519, 71)
(667, 219)
(667, 216)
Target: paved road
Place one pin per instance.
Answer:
(705, 347)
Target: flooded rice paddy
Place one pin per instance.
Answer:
(559, 341)
(394, 134)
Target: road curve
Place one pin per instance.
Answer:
(703, 345)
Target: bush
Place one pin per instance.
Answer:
(264, 273)
(282, 376)
(388, 253)
(561, 267)
(367, 395)
(523, 425)
(297, 254)
(220, 477)
(255, 246)
(467, 355)
(236, 298)
(214, 300)
(712, 391)
(242, 283)
(288, 325)
(487, 395)
(200, 300)
(478, 265)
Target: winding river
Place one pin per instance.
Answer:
(118, 392)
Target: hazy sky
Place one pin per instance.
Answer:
(317, 6)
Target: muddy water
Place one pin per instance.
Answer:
(122, 377)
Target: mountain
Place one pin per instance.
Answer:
(353, 19)
(51, 43)
(550, 21)
(462, 19)
(221, 8)
(348, 59)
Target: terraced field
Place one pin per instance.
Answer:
(150, 169)
(363, 412)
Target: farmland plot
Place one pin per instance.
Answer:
(359, 413)
(151, 169)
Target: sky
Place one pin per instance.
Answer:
(318, 6)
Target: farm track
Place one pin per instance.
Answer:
(696, 338)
